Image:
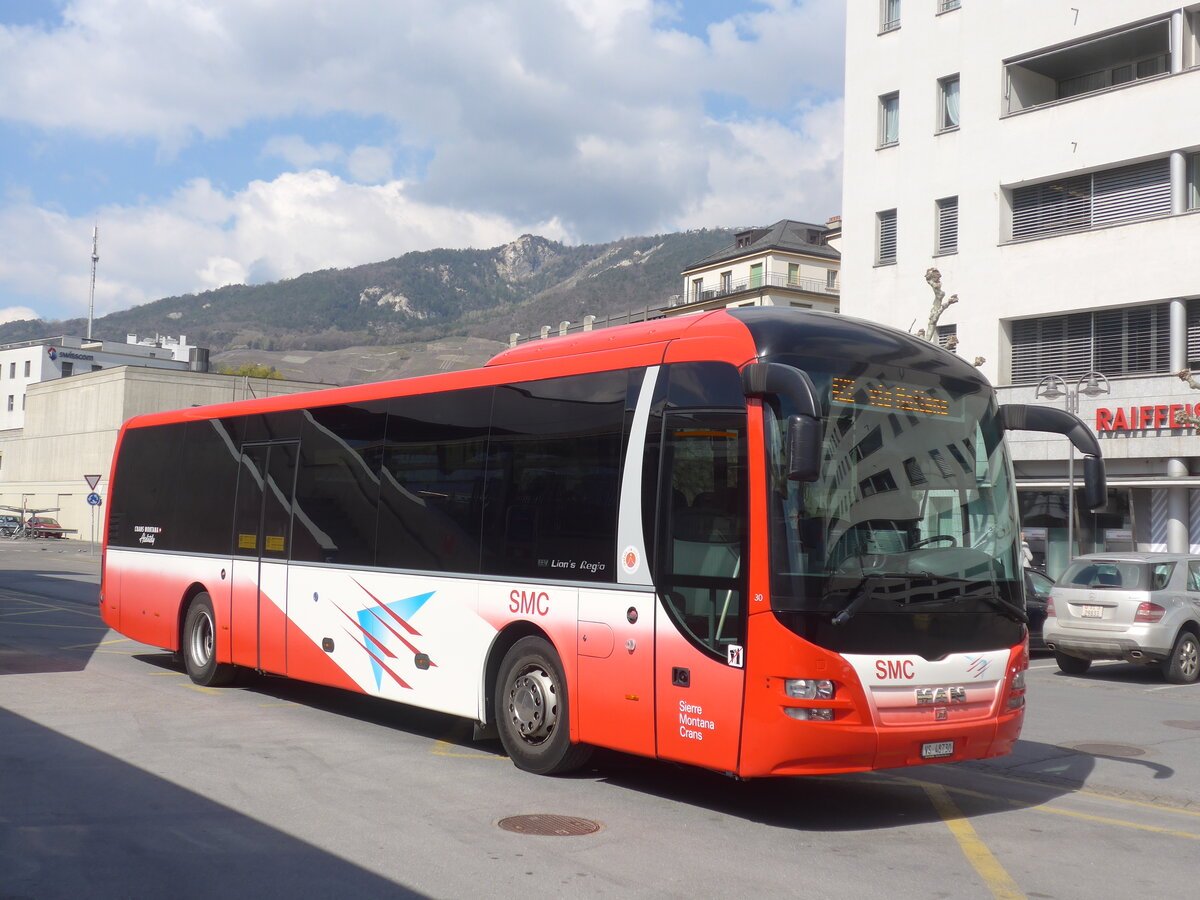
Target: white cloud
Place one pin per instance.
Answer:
(16, 314)
(298, 152)
(587, 119)
(370, 165)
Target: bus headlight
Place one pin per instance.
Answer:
(808, 688)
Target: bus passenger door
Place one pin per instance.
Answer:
(261, 537)
(701, 582)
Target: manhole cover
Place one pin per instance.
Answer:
(1110, 749)
(1182, 723)
(554, 826)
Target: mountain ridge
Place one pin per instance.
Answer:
(416, 298)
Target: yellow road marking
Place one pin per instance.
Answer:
(974, 849)
(202, 688)
(442, 748)
(1098, 795)
(1038, 807)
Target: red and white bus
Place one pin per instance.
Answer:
(765, 542)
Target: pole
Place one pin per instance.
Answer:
(1070, 504)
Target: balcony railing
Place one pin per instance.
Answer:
(756, 283)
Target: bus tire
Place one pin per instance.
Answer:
(531, 710)
(200, 645)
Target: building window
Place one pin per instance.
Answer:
(1132, 340)
(1084, 202)
(946, 337)
(26, 368)
(946, 238)
(889, 119)
(831, 277)
(756, 275)
(12, 370)
(1094, 64)
(10, 402)
(948, 103)
(889, 15)
(68, 369)
(793, 274)
(948, 5)
(697, 288)
(726, 282)
(885, 237)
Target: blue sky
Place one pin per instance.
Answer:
(229, 141)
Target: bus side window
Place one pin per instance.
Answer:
(554, 466)
(431, 486)
(337, 487)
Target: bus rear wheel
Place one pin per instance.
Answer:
(531, 710)
(200, 645)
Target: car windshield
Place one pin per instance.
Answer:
(914, 506)
(1126, 575)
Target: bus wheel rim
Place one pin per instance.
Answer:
(532, 705)
(202, 640)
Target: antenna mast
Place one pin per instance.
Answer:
(92, 295)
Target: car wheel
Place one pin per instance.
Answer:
(531, 710)
(1072, 665)
(1183, 665)
(200, 645)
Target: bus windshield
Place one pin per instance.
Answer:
(913, 511)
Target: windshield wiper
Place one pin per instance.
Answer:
(858, 595)
(988, 594)
(866, 589)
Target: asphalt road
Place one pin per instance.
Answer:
(120, 778)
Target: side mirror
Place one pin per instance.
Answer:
(1049, 419)
(803, 448)
(803, 429)
(1095, 484)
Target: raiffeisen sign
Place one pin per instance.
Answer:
(1143, 418)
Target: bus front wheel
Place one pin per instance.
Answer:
(531, 710)
(200, 645)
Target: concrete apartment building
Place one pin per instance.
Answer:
(1043, 156)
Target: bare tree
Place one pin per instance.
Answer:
(1188, 418)
(940, 304)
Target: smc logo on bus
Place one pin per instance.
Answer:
(895, 668)
(528, 603)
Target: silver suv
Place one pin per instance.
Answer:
(1139, 607)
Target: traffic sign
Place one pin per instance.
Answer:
(94, 499)
(92, 480)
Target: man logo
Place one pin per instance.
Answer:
(930, 696)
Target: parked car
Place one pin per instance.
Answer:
(1037, 597)
(45, 527)
(9, 525)
(1136, 607)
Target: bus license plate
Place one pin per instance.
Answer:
(1092, 612)
(936, 749)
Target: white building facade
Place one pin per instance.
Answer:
(790, 264)
(1044, 157)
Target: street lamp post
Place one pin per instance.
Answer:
(1093, 384)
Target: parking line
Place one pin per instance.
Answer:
(998, 881)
